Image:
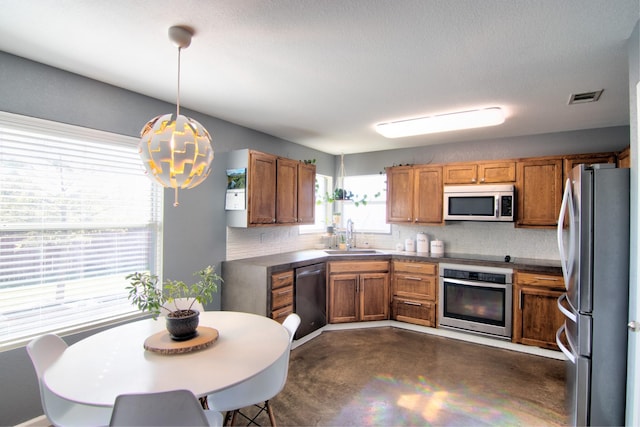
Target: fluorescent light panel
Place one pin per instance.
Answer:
(442, 123)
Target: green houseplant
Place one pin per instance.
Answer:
(146, 294)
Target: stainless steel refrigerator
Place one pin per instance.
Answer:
(593, 239)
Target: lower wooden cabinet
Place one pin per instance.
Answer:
(536, 316)
(281, 295)
(358, 291)
(414, 288)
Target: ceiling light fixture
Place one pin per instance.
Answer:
(442, 123)
(176, 150)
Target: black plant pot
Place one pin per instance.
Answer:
(183, 327)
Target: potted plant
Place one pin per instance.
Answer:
(145, 294)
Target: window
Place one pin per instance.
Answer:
(323, 209)
(77, 214)
(372, 217)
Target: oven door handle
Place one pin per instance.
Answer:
(476, 284)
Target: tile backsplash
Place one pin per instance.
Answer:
(487, 238)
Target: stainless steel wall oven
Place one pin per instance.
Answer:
(476, 299)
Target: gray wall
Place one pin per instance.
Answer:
(195, 232)
(576, 142)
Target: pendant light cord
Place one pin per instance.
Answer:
(178, 101)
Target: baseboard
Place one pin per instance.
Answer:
(41, 421)
(447, 333)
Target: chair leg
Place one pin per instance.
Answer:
(229, 418)
(272, 417)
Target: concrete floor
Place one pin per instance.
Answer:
(388, 376)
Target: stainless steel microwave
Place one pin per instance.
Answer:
(479, 202)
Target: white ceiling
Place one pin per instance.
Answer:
(322, 73)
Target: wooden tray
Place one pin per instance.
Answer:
(163, 344)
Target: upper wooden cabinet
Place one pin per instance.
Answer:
(286, 197)
(414, 194)
(539, 192)
(306, 193)
(624, 158)
(479, 173)
(588, 159)
(279, 191)
(261, 188)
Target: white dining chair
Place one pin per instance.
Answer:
(257, 391)
(174, 408)
(43, 351)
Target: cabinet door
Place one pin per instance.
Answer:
(261, 203)
(539, 192)
(286, 191)
(460, 173)
(374, 296)
(306, 193)
(427, 197)
(497, 172)
(624, 158)
(539, 316)
(400, 194)
(588, 159)
(344, 304)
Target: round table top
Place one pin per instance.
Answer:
(97, 369)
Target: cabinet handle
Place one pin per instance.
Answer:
(419, 279)
(473, 180)
(482, 180)
(549, 279)
(520, 299)
(412, 303)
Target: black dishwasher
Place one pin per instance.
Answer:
(311, 298)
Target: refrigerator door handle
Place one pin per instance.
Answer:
(568, 314)
(564, 349)
(566, 261)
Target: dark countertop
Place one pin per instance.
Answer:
(297, 259)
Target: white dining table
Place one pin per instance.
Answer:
(95, 370)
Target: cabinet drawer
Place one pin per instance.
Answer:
(416, 285)
(355, 267)
(539, 279)
(415, 267)
(284, 278)
(280, 314)
(282, 296)
(414, 311)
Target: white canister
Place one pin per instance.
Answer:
(437, 247)
(410, 245)
(422, 243)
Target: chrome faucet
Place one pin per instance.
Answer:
(351, 242)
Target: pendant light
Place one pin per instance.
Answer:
(176, 150)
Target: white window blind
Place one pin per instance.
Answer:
(77, 214)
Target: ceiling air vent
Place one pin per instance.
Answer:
(581, 98)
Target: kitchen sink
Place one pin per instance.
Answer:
(351, 251)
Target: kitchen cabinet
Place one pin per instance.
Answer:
(414, 289)
(480, 173)
(306, 193)
(624, 158)
(539, 191)
(588, 159)
(536, 316)
(281, 295)
(358, 291)
(279, 191)
(414, 194)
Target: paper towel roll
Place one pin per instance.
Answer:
(437, 247)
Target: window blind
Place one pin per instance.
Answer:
(77, 214)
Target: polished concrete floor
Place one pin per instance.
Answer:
(394, 377)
